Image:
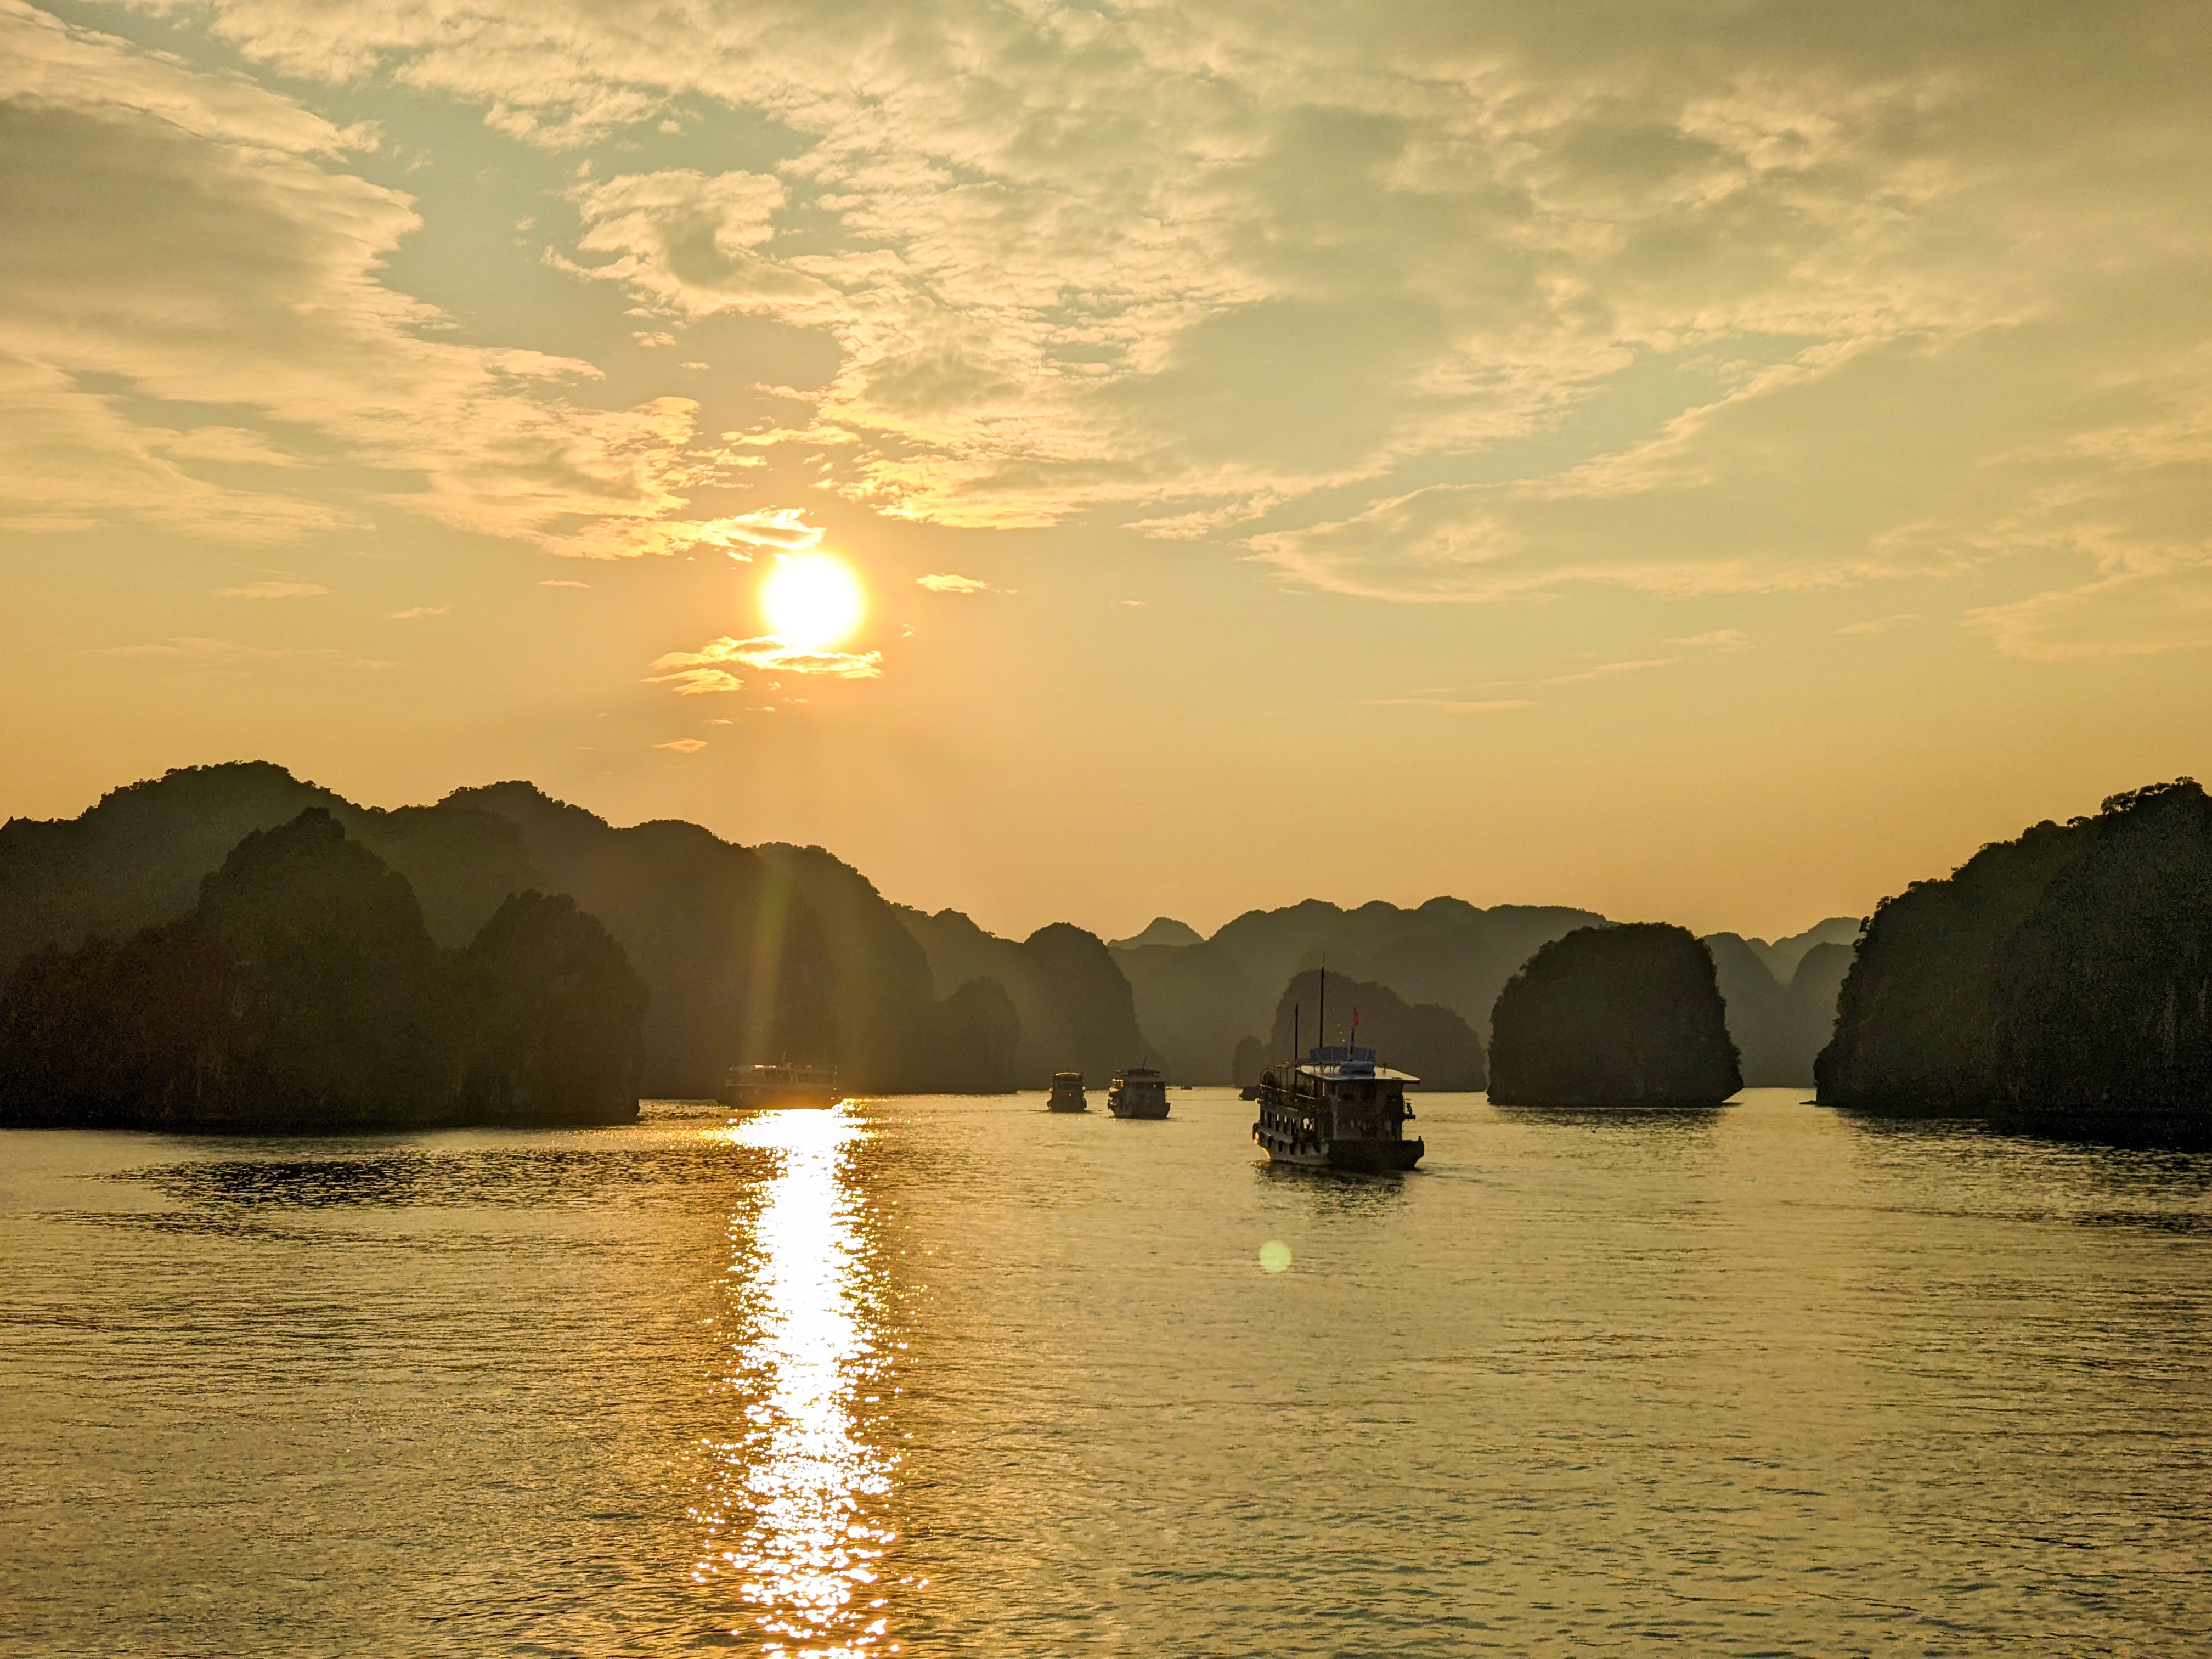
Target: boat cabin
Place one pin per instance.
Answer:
(1138, 1091)
(1337, 1093)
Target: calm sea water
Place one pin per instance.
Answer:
(960, 1377)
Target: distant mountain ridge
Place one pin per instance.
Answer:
(748, 953)
(781, 952)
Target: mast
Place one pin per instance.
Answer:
(1322, 1020)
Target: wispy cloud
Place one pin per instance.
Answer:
(945, 583)
(1453, 705)
(2135, 614)
(235, 206)
(414, 611)
(1881, 624)
(683, 745)
(273, 590)
(1607, 671)
(710, 668)
(1721, 639)
(555, 581)
(187, 648)
(783, 528)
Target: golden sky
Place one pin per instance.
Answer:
(1708, 461)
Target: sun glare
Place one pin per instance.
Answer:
(812, 599)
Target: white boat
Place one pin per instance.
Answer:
(752, 1088)
(1138, 1091)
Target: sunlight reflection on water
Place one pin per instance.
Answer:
(789, 1506)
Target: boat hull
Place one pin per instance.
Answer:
(1351, 1157)
(1068, 1106)
(1151, 1109)
(751, 1097)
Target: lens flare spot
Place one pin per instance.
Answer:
(812, 600)
(1274, 1256)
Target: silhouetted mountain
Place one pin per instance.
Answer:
(139, 856)
(1613, 1016)
(1075, 1008)
(304, 993)
(1808, 1004)
(1781, 956)
(1779, 1028)
(1431, 1041)
(751, 954)
(969, 1045)
(1201, 1004)
(2061, 982)
(1195, 1004)
(1161, 930)
(552, 1019)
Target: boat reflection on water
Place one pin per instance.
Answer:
(795, 1509)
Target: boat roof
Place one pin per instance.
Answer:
(1067, 1077)
(1337, 1061)
(1138, 1072)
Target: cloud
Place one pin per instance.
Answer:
(708, 668)
(230, 653)
(784, 528)
(414, 611)
(683, 745)
(237, 269)
(696, 681)
(1438, 304)
(1880, 625)
(947, 583)
(273, 590)
(556, 581)
(1453, 705)
(1721, 639)
(2139, 614)
(1608, 670)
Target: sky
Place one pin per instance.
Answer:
(1715, 463)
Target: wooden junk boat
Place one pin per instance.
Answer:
(1067, 1094)
(749, 1088)
(1138, 1091)
(1337, 1110)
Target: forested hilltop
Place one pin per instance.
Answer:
(777, 951)
(302, 992)
(2059, 982)
(747, 953)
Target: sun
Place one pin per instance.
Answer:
(812, 599)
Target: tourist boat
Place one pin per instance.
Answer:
(1337, 1110)
(1067, 1093)
(749, 1088)
(1138, 1091)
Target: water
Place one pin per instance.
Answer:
(960, 1377)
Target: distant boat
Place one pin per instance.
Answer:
(754, 1088)
(1138, 1091)
(1067, 1094)
(1337, 1110)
